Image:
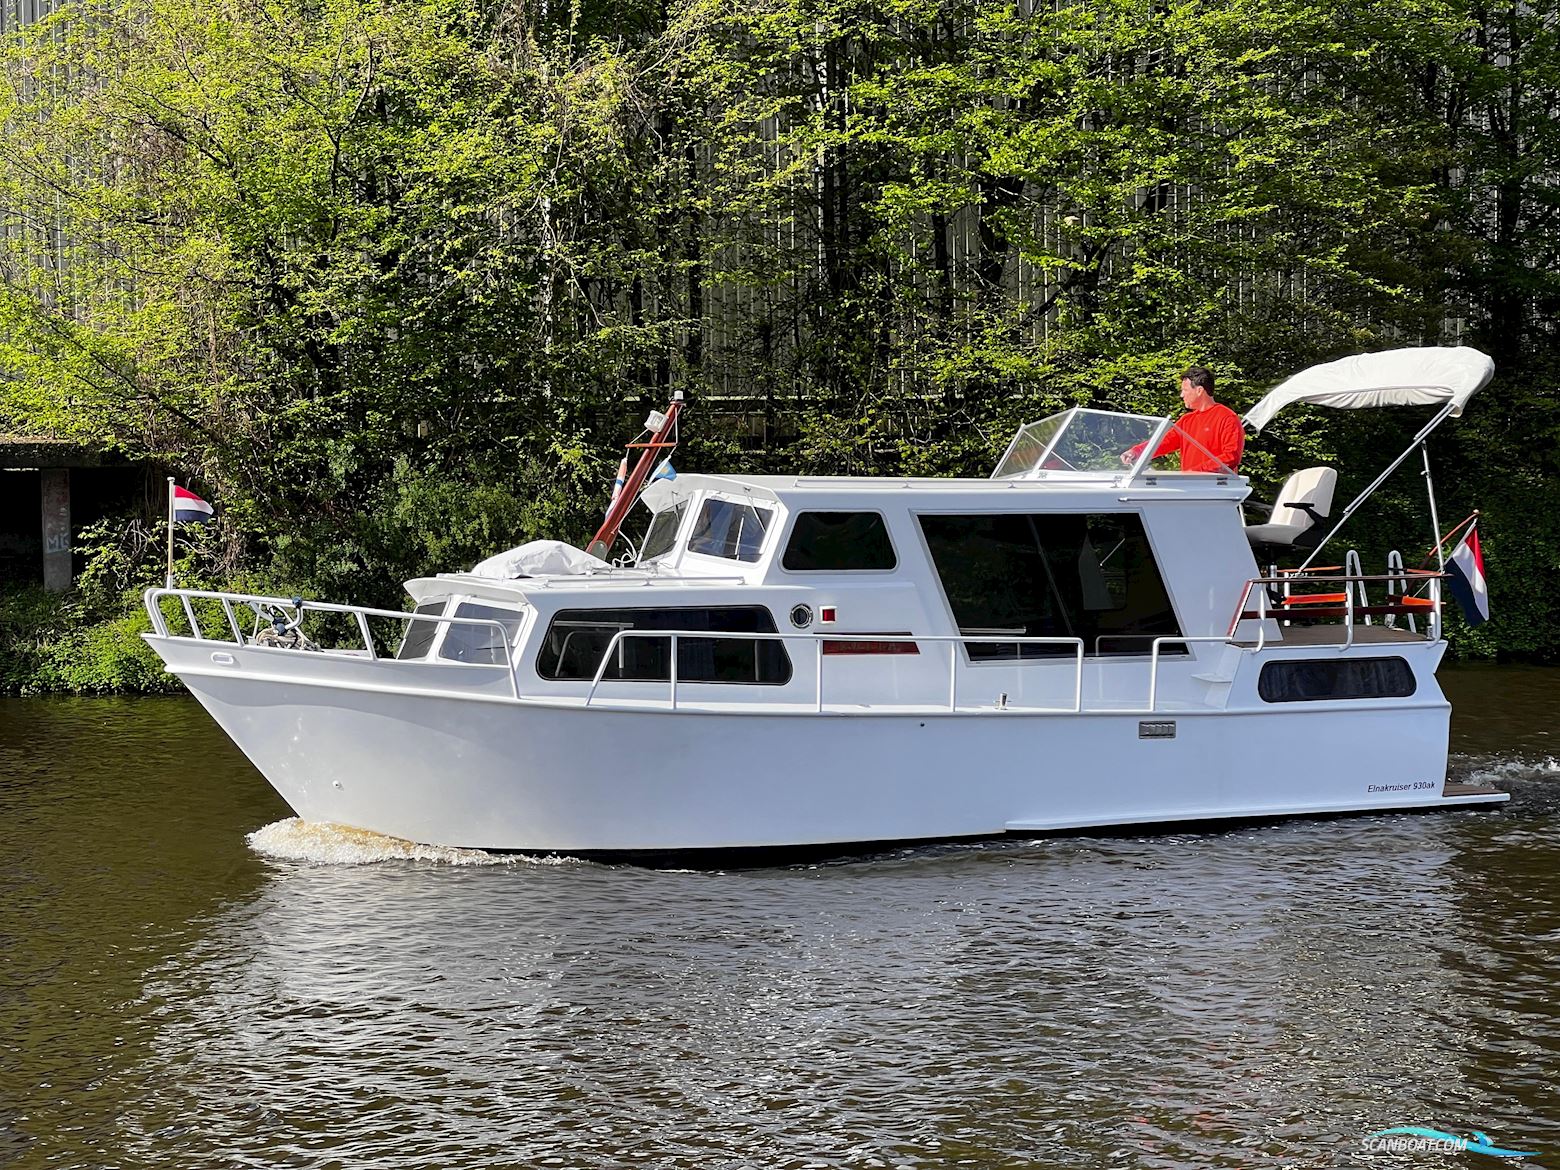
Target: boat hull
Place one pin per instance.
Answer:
(493, 773)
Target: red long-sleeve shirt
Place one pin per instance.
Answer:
(1216, 430)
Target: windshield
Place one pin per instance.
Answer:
(661, 537)
(1078, 440)
(726, 528)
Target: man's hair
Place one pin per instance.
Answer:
(1198, 376)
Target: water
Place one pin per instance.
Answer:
(174, 992)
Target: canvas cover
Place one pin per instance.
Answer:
(539, 558)
(1422, 376)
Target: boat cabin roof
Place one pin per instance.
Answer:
(743, 529)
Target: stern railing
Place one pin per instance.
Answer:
(1345, 600)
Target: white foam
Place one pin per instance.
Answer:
(1503, 771)
(326, 844)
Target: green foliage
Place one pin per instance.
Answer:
(49, 644)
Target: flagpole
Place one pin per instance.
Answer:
(170, 532)
(1435, 520)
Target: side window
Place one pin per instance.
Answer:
(1317, 679)
(577, 639)
(662, 534)
(420, 635)
(1090, 576)
(480, 644)
(726, 528)
(839, 540)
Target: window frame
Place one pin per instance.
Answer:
(424, 609)
(675, 547)
(514, 639)
(789, 527)
(777, 522)
(1398, 659)
(1169, 650)
(551, 620)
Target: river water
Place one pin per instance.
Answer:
(177, 993)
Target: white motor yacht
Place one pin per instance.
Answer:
(803, 661)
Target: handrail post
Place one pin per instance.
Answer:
(232, 620)
(1078, 678)
(189, 614)
(368, 638)
(1153, 676)
(674, 672)
(601, 667)
(953, 674)
(1240, 610)
(818, 656)
(503, 640)
(1348, 617)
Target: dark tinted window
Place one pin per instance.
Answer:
(481, 643)
(1314, 679)
(839, 540)
(663, 532)
(1088, 576)
(420, 635)
(578, 638)
(728, 529)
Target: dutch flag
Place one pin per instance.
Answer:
(1466, 566)
(188, 508)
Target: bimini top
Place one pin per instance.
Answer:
(1423, 376)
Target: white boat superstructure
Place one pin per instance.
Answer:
(790, 661)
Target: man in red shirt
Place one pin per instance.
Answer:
(1215, 430)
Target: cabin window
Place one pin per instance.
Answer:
(420, 635)
(480, 644)
(727, 528)
(839, 541)
(662, 534)
(578, 638)
(1048, 575)
(1312, 680)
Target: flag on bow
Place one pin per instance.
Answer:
(1466, 569)
(188, 508)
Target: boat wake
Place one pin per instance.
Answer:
(1503, 770)
(326, 844)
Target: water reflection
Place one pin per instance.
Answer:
(1258, 995)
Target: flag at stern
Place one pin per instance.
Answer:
(1466, 569)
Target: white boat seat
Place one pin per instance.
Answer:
(1305, 499)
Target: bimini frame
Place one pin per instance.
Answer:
(1421, 376)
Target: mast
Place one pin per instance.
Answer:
(662, 436)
